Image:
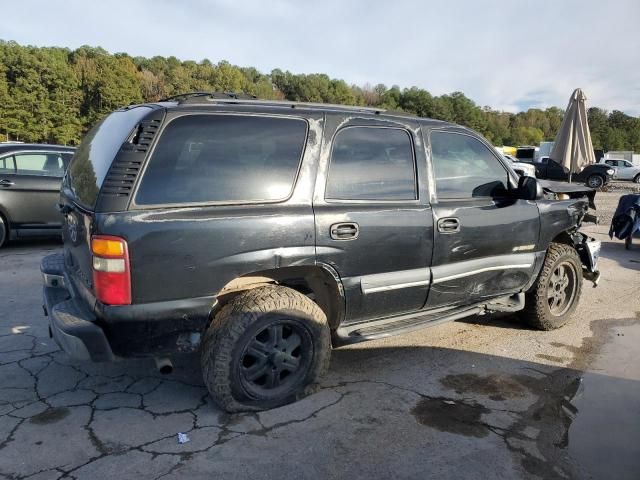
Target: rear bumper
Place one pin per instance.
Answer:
(71, 324)
(89, 330)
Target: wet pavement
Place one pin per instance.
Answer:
(480, 398)
(605, 429)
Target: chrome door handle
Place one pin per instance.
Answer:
(6, 183)
(344, 231)
(449, 225)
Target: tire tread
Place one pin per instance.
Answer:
(536, 311)
(230, 323)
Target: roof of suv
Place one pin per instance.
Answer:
(242, 103)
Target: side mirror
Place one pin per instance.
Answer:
(529, 189)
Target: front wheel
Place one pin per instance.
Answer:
(636, 179)
(266, 348)
(595, 181)
(554, 297)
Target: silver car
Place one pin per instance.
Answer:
(625, 170)
(30, 176)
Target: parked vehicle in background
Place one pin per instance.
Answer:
(526, 153)
(30, 176)
(261, 233)
(521, 168)
(625, 170)
(620, 155)
(544, 149)
(593, 176)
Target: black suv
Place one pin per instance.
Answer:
(30, 176)
(264, 233)
(595, 175)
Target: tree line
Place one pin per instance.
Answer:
(54, 95)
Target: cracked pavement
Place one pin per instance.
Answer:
(480, 398)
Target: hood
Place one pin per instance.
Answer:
(573, 190)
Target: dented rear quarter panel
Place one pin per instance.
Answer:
(181, 252)
(194, 252)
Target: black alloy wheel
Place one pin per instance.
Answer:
(275, 358)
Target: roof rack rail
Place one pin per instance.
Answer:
(240, 98)
(184, 97)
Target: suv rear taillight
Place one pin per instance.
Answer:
(111, 276)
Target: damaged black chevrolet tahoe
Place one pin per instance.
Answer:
(261, 234)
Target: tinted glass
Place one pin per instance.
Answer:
(93, 157)
(464, 167)
(371, 163)
(41, 164)
(224, 158)
(525, 153)
(7, 165)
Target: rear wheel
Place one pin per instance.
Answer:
(266, 348)
(595, 181)
(555, 295)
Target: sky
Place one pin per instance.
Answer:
(507, 54)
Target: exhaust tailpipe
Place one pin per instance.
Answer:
(164, 365)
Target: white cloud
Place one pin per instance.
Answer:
(506, 54)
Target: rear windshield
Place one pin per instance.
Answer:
(223, 158)
(525, 153)
(93, 157)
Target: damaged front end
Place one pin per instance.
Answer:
(576, 212)
(589, 250)
(569, 191)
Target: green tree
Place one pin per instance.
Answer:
(527, 136)
(56, 95)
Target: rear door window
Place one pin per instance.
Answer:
(224, 159)
(372, 163)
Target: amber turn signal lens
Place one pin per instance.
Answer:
(107, 248)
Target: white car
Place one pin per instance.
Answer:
(625, 170)
(521, 168)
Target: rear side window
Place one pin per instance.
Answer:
(464, 167)
(223, 158)
(372, 163)
(97, 150)
(49, 164)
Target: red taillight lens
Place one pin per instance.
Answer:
(111, 276)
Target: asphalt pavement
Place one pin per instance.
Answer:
(480, 398)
